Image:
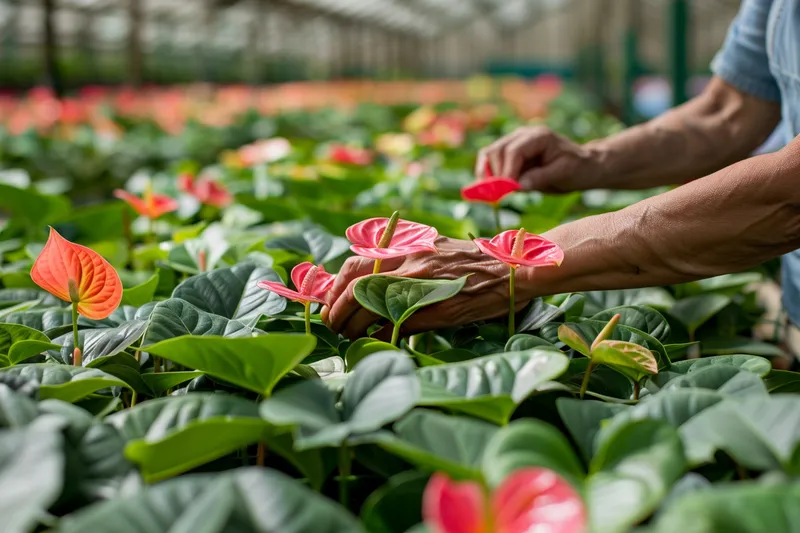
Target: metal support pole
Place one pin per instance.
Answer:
(135, 63)
(50, 48)
(678, 20)
(631, 58)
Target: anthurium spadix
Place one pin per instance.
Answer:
(78, 275)
(630, 359)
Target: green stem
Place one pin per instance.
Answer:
(308, 318)
(585, 384)
(512, 307)
(395, 334)
(75, 339)
(344, 474)
(134, 397)
(637, 389)
(497, 225)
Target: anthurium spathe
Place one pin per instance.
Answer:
(150, 205)
(385, 238)
(79, 275)
(349, 155)
(490, 190)
(206, 190)
(519, 248)
(529, 500)
(312, 283)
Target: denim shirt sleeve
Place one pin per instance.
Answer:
(743, 61)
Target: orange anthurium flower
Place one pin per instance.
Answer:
(77, 274)
(531, 499)
(149, 205)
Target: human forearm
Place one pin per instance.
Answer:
(718, 128)
(729, 221)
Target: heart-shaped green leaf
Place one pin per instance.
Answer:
(168, 436)
(32, 470)
(490, 387)
(175, 318)
(255, 363)
(380, 390)
(398, 298)
(65, 382)
(233, 293)
(656, 297)
(542, 312)
(695, 311)
(316, 242)
(631, 473)
(361, 348)
(523, 341)
(163, 381)
(642, 318)
(584, 418)
(18, 342)
(100, 342)
(142, 293)
(581, 335)
(631, 359)
(438, 442)
(246, 499)
(51, 322)
(530, 443)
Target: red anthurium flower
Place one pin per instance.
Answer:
(206, 190)
(349, 155)
(407, 238)
(149, 205)
(77, 274)
(312, 283)
(530, 500)
(491, 190)
(518, 248)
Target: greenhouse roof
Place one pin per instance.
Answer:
(426, 18)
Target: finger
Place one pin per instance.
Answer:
(358, 323)
(522, 149)
(341, 309)
(494, 152)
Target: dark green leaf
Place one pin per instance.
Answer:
(65, 382)
(141, 294)
(175, 318)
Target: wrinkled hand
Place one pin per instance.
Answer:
(543, 161)
(484, 296)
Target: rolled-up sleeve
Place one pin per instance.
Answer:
(743, 61)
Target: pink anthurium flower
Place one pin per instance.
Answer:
(312, 283)
(529, 500)
(490, 190)
(206, 190)
(519, 248)
(149, 205)
(79, 275)
(385, 238)
(349, 155)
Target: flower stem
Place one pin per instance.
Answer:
(637, 389)
(395, 334)
(586, 376)
(75, 338)
(497, 225)
(261, 454)
(344, 474)
(308, 318)
(134, 397)
(512, 307)
(377, 268)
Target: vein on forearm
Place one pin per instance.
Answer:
(716, 129)
(729, 221)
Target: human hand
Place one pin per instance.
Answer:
(542, 160)
(484, 296)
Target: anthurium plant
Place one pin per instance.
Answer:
(164, 364)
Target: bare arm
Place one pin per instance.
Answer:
(729, 221)
(721, 126)
(718, 128)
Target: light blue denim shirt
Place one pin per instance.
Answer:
(761, 56)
